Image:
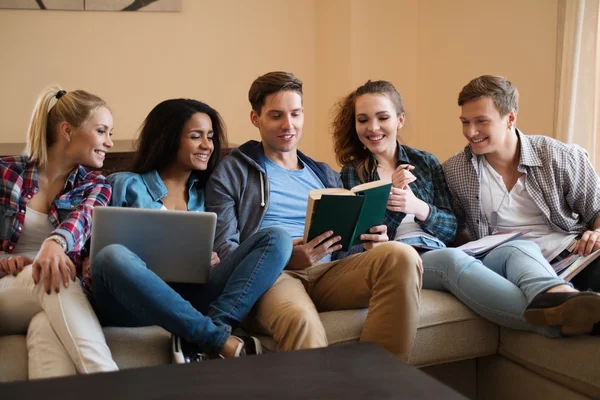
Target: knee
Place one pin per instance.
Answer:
(399, 261)
(445, 260)
(39, 324)
(522, 246)
(278, 240)
(110, 260)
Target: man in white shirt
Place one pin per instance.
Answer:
(507, 180)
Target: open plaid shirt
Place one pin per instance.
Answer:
(430, 187)
(559, 178)
(71, 210)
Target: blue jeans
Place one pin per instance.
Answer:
(126, 293)
(499, 287)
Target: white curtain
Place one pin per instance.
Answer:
(578, 79)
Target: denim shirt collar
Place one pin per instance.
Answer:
(158, 190)
(154, 184)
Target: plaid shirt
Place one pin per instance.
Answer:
(559, 178)
(70, 213)
(430, 187)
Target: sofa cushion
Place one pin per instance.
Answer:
(13, 358)
(572, 362)
(448, 331)
(139, 347)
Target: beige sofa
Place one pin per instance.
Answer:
(453, 344)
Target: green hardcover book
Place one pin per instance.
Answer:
(348, 213)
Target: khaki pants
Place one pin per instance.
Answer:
(63, 333)
(386, 279)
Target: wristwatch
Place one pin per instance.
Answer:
(60, 240)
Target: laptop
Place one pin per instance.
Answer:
(175, 245)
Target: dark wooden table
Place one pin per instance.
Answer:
(353, 371)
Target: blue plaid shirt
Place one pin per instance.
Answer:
(430, 187)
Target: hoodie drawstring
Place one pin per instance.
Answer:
(262, 191)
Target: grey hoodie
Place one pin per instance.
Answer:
(238, 192)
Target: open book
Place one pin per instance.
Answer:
(479, 248)
(348, 213)
(568, 267)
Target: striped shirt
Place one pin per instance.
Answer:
(70, 213)
(430, 187)
(559, 178)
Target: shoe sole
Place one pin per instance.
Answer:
(577, 315)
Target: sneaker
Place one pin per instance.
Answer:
(185, 352)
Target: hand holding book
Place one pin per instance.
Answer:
(589, 243)
(305, 255)
(348, 213)
(376, 236)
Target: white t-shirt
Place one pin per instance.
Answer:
(36, 229)
(516, 210)
(408, 228)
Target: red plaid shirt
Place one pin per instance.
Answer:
(70, 213)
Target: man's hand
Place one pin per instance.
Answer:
(402, 176)
(51, 265)
(378, 235)
(589, 242)
(214, 259)
(14, 264)
(305, 255)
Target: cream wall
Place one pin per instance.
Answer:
(213, 50)
(430, 49)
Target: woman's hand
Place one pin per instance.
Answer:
(51, 266)
(214, 259)
(402, 176)
(14, 264)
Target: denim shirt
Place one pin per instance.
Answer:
(147, 190)
(70, 213)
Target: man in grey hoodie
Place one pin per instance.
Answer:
(266, 183)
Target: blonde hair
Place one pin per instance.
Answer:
(72, 107)
(347, 146)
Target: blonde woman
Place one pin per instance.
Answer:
(46, 203)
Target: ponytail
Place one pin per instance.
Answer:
(71, 107)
